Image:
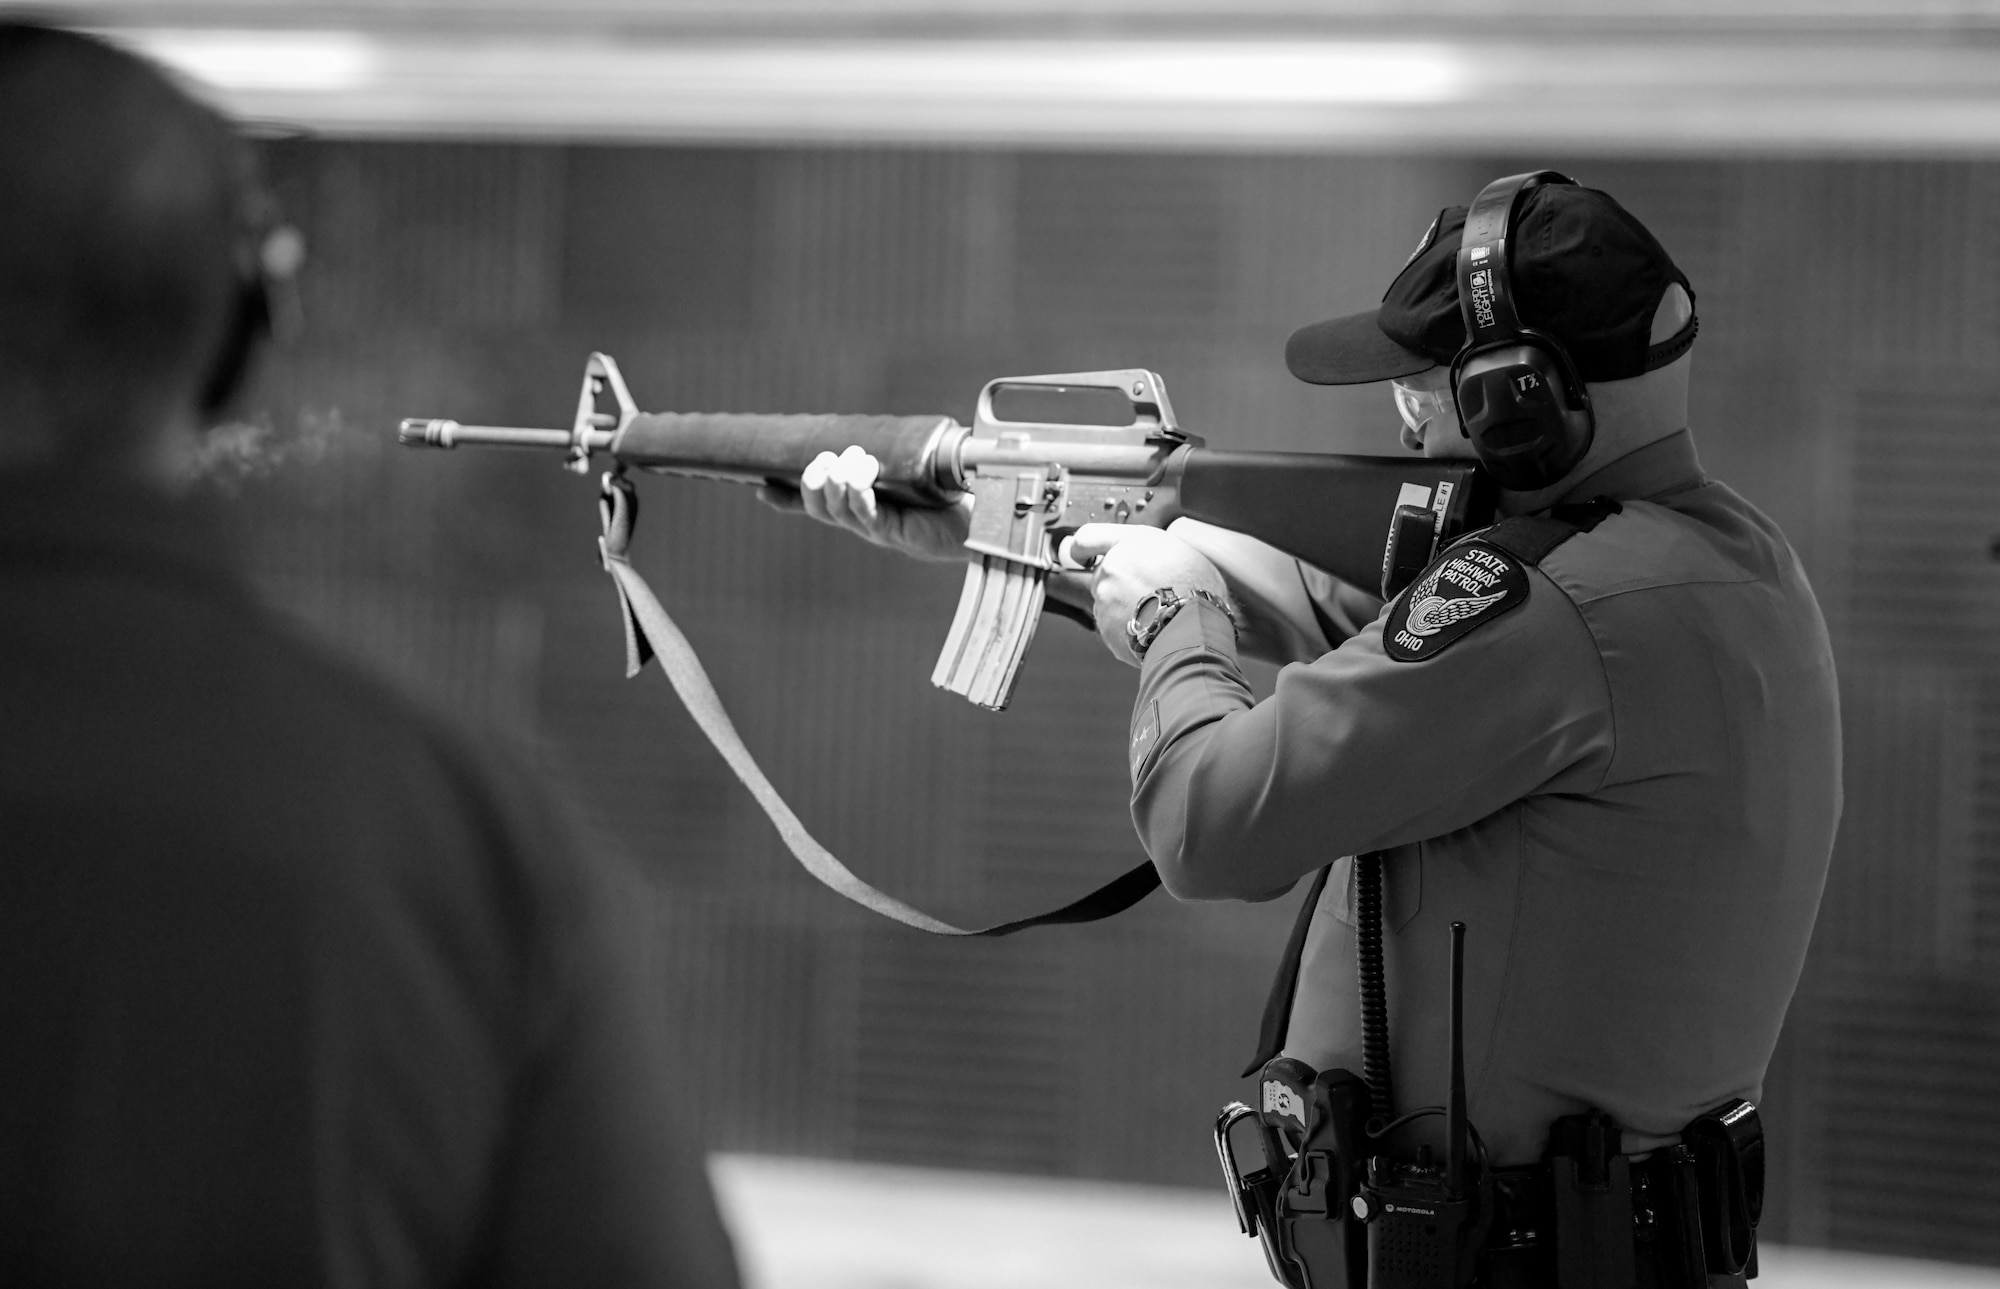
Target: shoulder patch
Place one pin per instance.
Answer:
(1463, 588)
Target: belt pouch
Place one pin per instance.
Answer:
(1685, 1263)
(1728, 1148)
(1520, 1244)
(1591, 1182)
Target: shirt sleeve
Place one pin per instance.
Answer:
(1344, 609)
(1355, 751)
(1286, 610)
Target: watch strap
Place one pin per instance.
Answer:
(1171, 601)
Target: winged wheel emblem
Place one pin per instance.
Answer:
(1431, 613)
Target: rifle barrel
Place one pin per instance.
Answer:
(416, 432)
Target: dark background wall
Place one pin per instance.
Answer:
(1845, 381)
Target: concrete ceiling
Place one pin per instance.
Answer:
(1690, 77)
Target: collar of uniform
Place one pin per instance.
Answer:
(1661, 468)
(52, 521)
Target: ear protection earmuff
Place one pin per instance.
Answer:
(268, 254)
(1520, 400)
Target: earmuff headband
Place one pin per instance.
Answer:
(1485, 292)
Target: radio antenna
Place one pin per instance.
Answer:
(1455, 1123)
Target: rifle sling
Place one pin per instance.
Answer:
(650, 633)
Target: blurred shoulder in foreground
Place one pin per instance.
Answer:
(297, 988)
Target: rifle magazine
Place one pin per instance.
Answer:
(1022, 590)
(998, 610)
(961, 625)
(967, 679)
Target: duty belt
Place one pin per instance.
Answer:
(1586, 1217)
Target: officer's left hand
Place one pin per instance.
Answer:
(1128, 562)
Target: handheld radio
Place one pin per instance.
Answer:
(1426, 1221)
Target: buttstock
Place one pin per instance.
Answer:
(1331, 511)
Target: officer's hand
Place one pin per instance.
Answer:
(1128, 562)
(840, 490)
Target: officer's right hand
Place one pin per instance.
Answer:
(840, 490)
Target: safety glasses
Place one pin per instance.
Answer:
(1418, 405)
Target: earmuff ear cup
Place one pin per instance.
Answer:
(269, 253)
(1529, 422)
(249, 323)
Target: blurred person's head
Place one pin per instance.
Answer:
(1584, 273)
(127, 258)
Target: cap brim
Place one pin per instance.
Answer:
(1350, 351)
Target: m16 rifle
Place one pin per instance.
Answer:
(1044, 455)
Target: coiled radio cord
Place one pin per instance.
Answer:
(1374, 989)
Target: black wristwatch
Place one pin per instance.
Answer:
(1151, 615)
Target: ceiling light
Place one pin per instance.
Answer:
(306, 61)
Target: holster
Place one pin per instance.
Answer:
(1309, 1125)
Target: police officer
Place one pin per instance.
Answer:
(1616, 759)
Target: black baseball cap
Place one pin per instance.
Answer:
(1584, 270)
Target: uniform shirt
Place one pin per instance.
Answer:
(294, 989)
(1625, 786)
